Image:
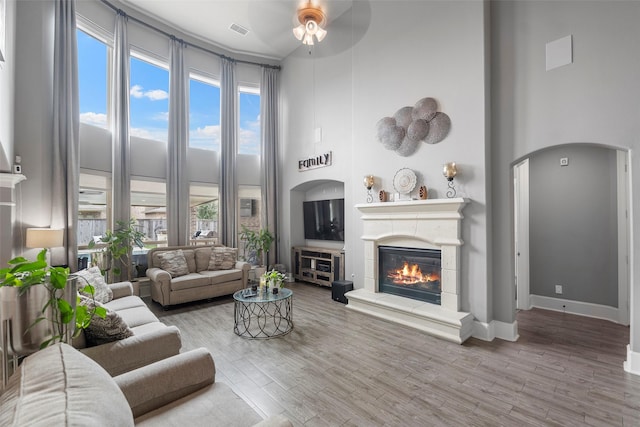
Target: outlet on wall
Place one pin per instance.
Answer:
(564, 161)
(558, 289)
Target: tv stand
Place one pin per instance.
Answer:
(321, 266)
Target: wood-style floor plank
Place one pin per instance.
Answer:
(342, 368)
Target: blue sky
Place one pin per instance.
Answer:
(149, 102)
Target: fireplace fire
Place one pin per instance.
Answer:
(410, 272)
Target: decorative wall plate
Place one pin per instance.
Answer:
(404, 181)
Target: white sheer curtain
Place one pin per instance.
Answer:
(177, 177)
(66, 126)
(121, 147)
(229, 149)
(269, 88)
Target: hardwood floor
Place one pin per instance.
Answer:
(342, 368)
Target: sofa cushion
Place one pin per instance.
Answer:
(190, 256)
(203, 255)
(223, 258)
(92, 276)
(59, 386)
(136, 316)
(192, 280)
(125, 302)
(100, 331)
(222, 276)
(174, 263)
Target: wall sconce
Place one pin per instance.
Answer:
(449, 172)
(368, 183)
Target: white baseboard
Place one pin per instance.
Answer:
(495, 329)
(576, 307)
(632, 364)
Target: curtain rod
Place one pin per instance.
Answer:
(171, 36)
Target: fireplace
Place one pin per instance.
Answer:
(410, 272)
(412, 229)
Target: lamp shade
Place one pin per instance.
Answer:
(44, 237)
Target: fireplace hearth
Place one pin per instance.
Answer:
(429, 227)
(410, 272)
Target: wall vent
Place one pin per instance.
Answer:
(239, 29)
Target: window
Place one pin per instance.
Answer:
(204, 114)
(93, 205)
(204, 208)
(149, 208)
(249, 122)
(149, 100)
(92, 80)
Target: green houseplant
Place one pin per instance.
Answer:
(274, 278)
(36, 281)
(259, 241)
(116, 255)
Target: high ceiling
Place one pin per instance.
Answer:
(270, 22)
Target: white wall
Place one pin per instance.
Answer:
(7, 93)
(421, 49)
(595, 99)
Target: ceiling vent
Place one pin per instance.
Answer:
(239, 29)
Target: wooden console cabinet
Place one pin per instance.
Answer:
(317, 265)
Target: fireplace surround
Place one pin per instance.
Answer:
(422, 224)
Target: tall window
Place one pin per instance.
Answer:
(149, 100)
(204, 208)
(249, 122)
(149, 208)
(204, 114)
(92, 80)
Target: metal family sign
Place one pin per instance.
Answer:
(319, 161)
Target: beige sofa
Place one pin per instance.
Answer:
(59, 386)
(199, 283)
(152, 340)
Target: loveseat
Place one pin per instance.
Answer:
(151, 339)
(182, 274)
(59, 386)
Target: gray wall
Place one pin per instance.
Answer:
(595, 99)
(573, 224)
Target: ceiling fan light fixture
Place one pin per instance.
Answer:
(311, 19)
(320, 34)
(298, 31)
(308, 39)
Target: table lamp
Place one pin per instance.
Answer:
(45, 238)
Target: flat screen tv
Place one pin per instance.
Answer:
(324, 219)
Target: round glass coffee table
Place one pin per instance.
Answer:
(263, 315)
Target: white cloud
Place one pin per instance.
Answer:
(95, 119)
(207, 137)
(163, 117)
(156, 94)
(249, 141)
(138, 91)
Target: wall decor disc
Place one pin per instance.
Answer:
(404, 181)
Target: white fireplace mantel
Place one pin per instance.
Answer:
(426, 224)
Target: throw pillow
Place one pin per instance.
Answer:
(174, 263)
(223, 258)
(101, 331)
(92, 276)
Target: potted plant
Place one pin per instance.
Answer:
(258, 241)
(116, 255)
(273, 280)
(43, 304)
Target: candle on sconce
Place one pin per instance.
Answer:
(449, 171)
(368, 183)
